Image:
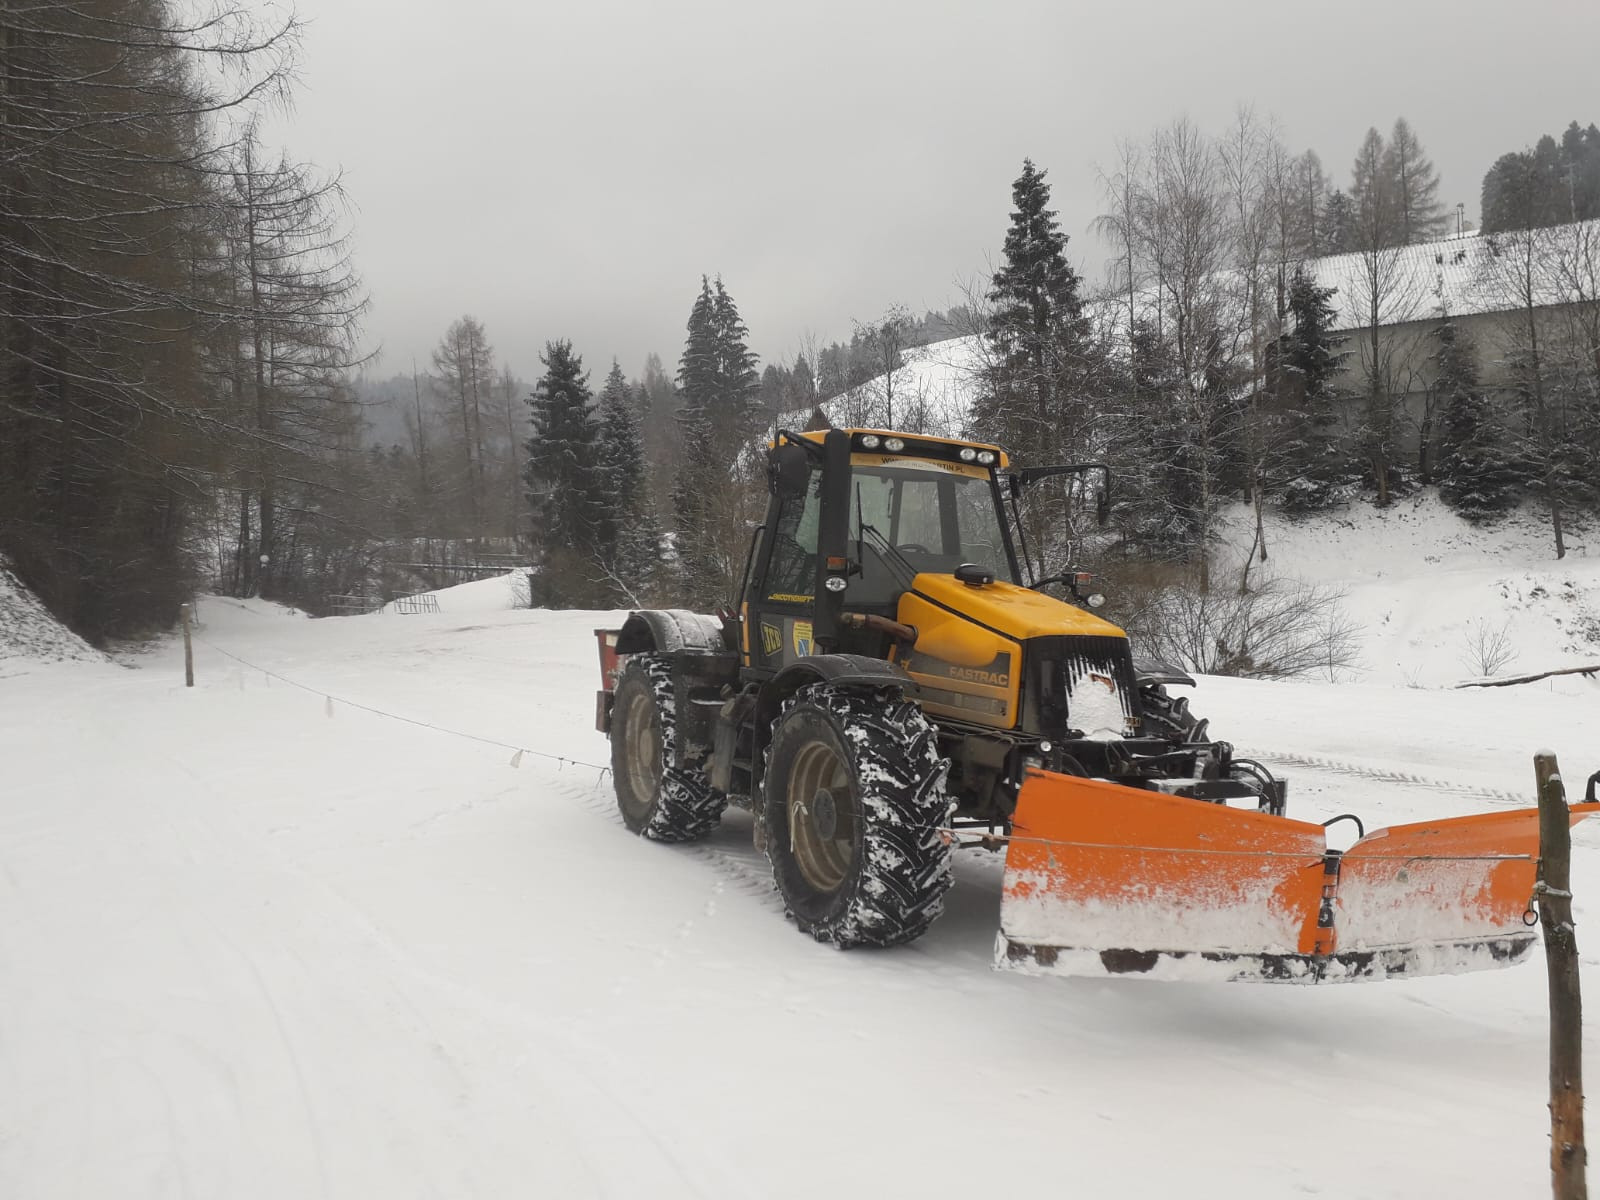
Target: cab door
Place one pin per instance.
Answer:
(781, 596)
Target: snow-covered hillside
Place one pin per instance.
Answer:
(29, 634)
(1428, 589)
(932, 392)
(259, 943)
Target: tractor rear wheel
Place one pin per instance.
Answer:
(854, 807)
(656, 799)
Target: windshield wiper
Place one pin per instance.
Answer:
(886, 550)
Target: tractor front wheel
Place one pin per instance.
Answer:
(854, 804)
(658, 800)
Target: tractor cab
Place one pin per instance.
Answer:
(897, 547)
(857, 516)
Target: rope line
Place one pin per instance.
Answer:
(955, 836)
(519, 751)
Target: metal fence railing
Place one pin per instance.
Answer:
(353, 604)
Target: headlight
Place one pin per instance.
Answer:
(834, 583)
(893, 445)
(986, 457)
(967, 454)
(869, 441)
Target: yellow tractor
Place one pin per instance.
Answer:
(891, 688)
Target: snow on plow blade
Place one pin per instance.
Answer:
(1104, 879)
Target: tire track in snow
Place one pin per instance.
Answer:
(1585, 835)
(1337, 766)
(738, 871)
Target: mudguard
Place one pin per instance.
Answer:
(667, 630)
(1106, 879)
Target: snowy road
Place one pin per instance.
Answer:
(248, 949)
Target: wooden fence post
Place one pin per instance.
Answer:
(1568, 1157)
(186, 612)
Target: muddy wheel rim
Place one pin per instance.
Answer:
(643, 759)
(821, 816)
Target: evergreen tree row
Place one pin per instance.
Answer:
(1551, 184)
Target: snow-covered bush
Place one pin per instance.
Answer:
(1277, 629)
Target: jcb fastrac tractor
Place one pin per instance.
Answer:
(890, 688)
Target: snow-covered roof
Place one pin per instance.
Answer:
(1462, 275)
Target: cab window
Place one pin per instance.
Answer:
(793, 571)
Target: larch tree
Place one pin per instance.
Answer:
(114, 292)
(1413, 181)
(296, 307)
(464, 379)
(1311, 190)
(1382, 299)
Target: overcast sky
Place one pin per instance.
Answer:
(570, 169)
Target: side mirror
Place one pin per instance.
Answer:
(788, 470)
(1102, 507)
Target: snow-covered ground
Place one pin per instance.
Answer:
(1428, 589)
(254, 943)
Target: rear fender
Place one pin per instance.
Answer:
(668, 630)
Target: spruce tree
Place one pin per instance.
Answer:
(563, 474)
(628, 537)
(1159, 497)
(1313, 463)
(1477, 476)
(1339, 221)
(1038, 334)
(802, 385)
(738, 384)
(719, 418)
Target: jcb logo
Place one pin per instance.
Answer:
(771, 639)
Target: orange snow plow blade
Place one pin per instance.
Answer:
(1105, 879)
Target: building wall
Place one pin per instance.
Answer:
(1408, 349)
